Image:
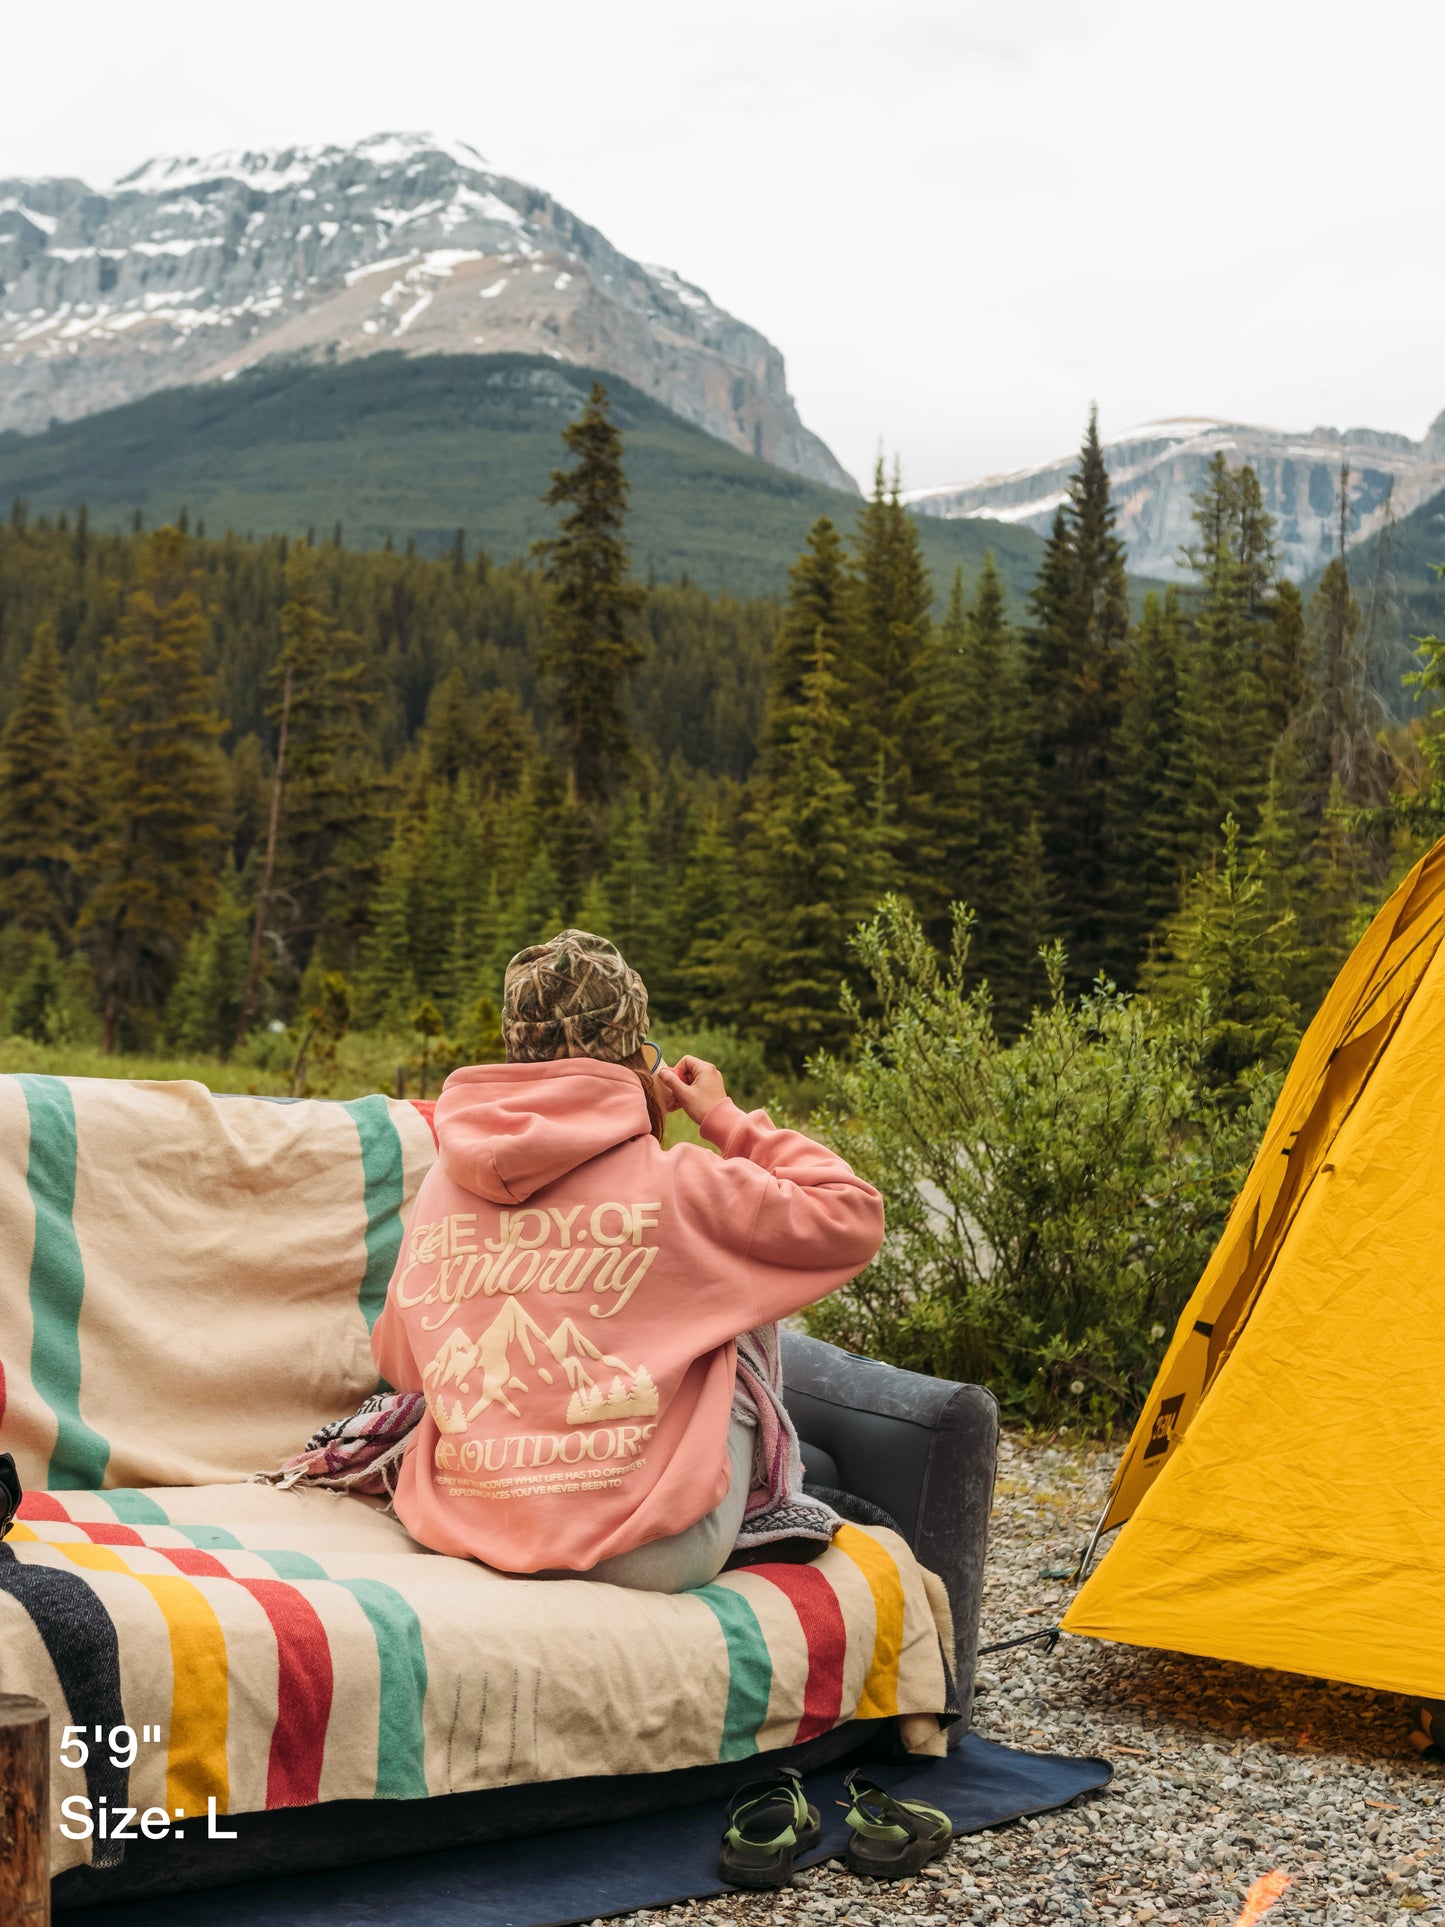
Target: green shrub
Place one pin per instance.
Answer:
(1050, 1202)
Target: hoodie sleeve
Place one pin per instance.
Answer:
(792, 1207)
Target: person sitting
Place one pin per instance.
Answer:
(569, 1294)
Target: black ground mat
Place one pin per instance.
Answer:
(584, 1872)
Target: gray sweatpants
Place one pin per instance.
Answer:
(696, 1556)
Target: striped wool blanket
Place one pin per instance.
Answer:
(187, 1286)
(290, 1647)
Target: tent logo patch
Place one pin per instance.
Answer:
(1165, 1420)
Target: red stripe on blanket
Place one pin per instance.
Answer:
(105, 1532)
(304, 1682)
(42, 1505)
(303, 1694)
(194, 1563)
(427, 1106)
(821, 1618)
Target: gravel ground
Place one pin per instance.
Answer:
(1221, 1773)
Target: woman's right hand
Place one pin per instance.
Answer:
(694, 1085)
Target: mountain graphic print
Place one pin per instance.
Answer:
(513, 1344)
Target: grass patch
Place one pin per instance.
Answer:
(365, 1062)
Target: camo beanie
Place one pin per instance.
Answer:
(573, 996)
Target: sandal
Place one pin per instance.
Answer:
(769, 1824)
(890, 1838)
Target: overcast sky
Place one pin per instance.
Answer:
(960, 220)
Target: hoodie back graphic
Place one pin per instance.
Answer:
(568, 1297)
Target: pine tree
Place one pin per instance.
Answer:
(886, 680)
(635, 886)
(438, 886)
(1339, 773)
(989, 807)
(250, 799)
(810, 876)
(707, 902)
(37, 798)
(451, 739)
(479, 1033)
(1282, 657)
(820, 600)
(205, 1005)
(594, 911)
(1229, 953)
(1257, 551)
(534, 912)
(38, 1001)
(1101, 585)
(476, 906)
(1076, 663)
(388, 988)
(1417, 811)
(1340, 725)
(1152, 786)
(1226, 707)
(507, 744)
(328, 808)
(160, 792)
(590, 648)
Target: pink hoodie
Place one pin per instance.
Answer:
(569, 1296)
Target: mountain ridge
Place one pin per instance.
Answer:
(192, 268)
(1155, 469)
(413, 448)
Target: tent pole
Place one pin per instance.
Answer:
(1086, 1557)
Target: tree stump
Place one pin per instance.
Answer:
(24, 1812)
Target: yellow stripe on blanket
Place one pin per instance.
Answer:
(879, 1698)
(196, 1768)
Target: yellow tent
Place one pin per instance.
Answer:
(1285, 1487)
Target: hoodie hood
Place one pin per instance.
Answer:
(506, 1130)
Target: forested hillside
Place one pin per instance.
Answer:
(409, 450)
(1398, 566)
(257, 795)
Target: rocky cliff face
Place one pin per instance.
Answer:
(189, 270)
(1154, 472)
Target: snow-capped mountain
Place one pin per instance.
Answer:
(191, 269)
(1154, 472)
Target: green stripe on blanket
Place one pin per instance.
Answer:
(401, 1660)
(383, 1182)
(401, 1719)
(57, 1285)
(750, 1670)
(133, 1508)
